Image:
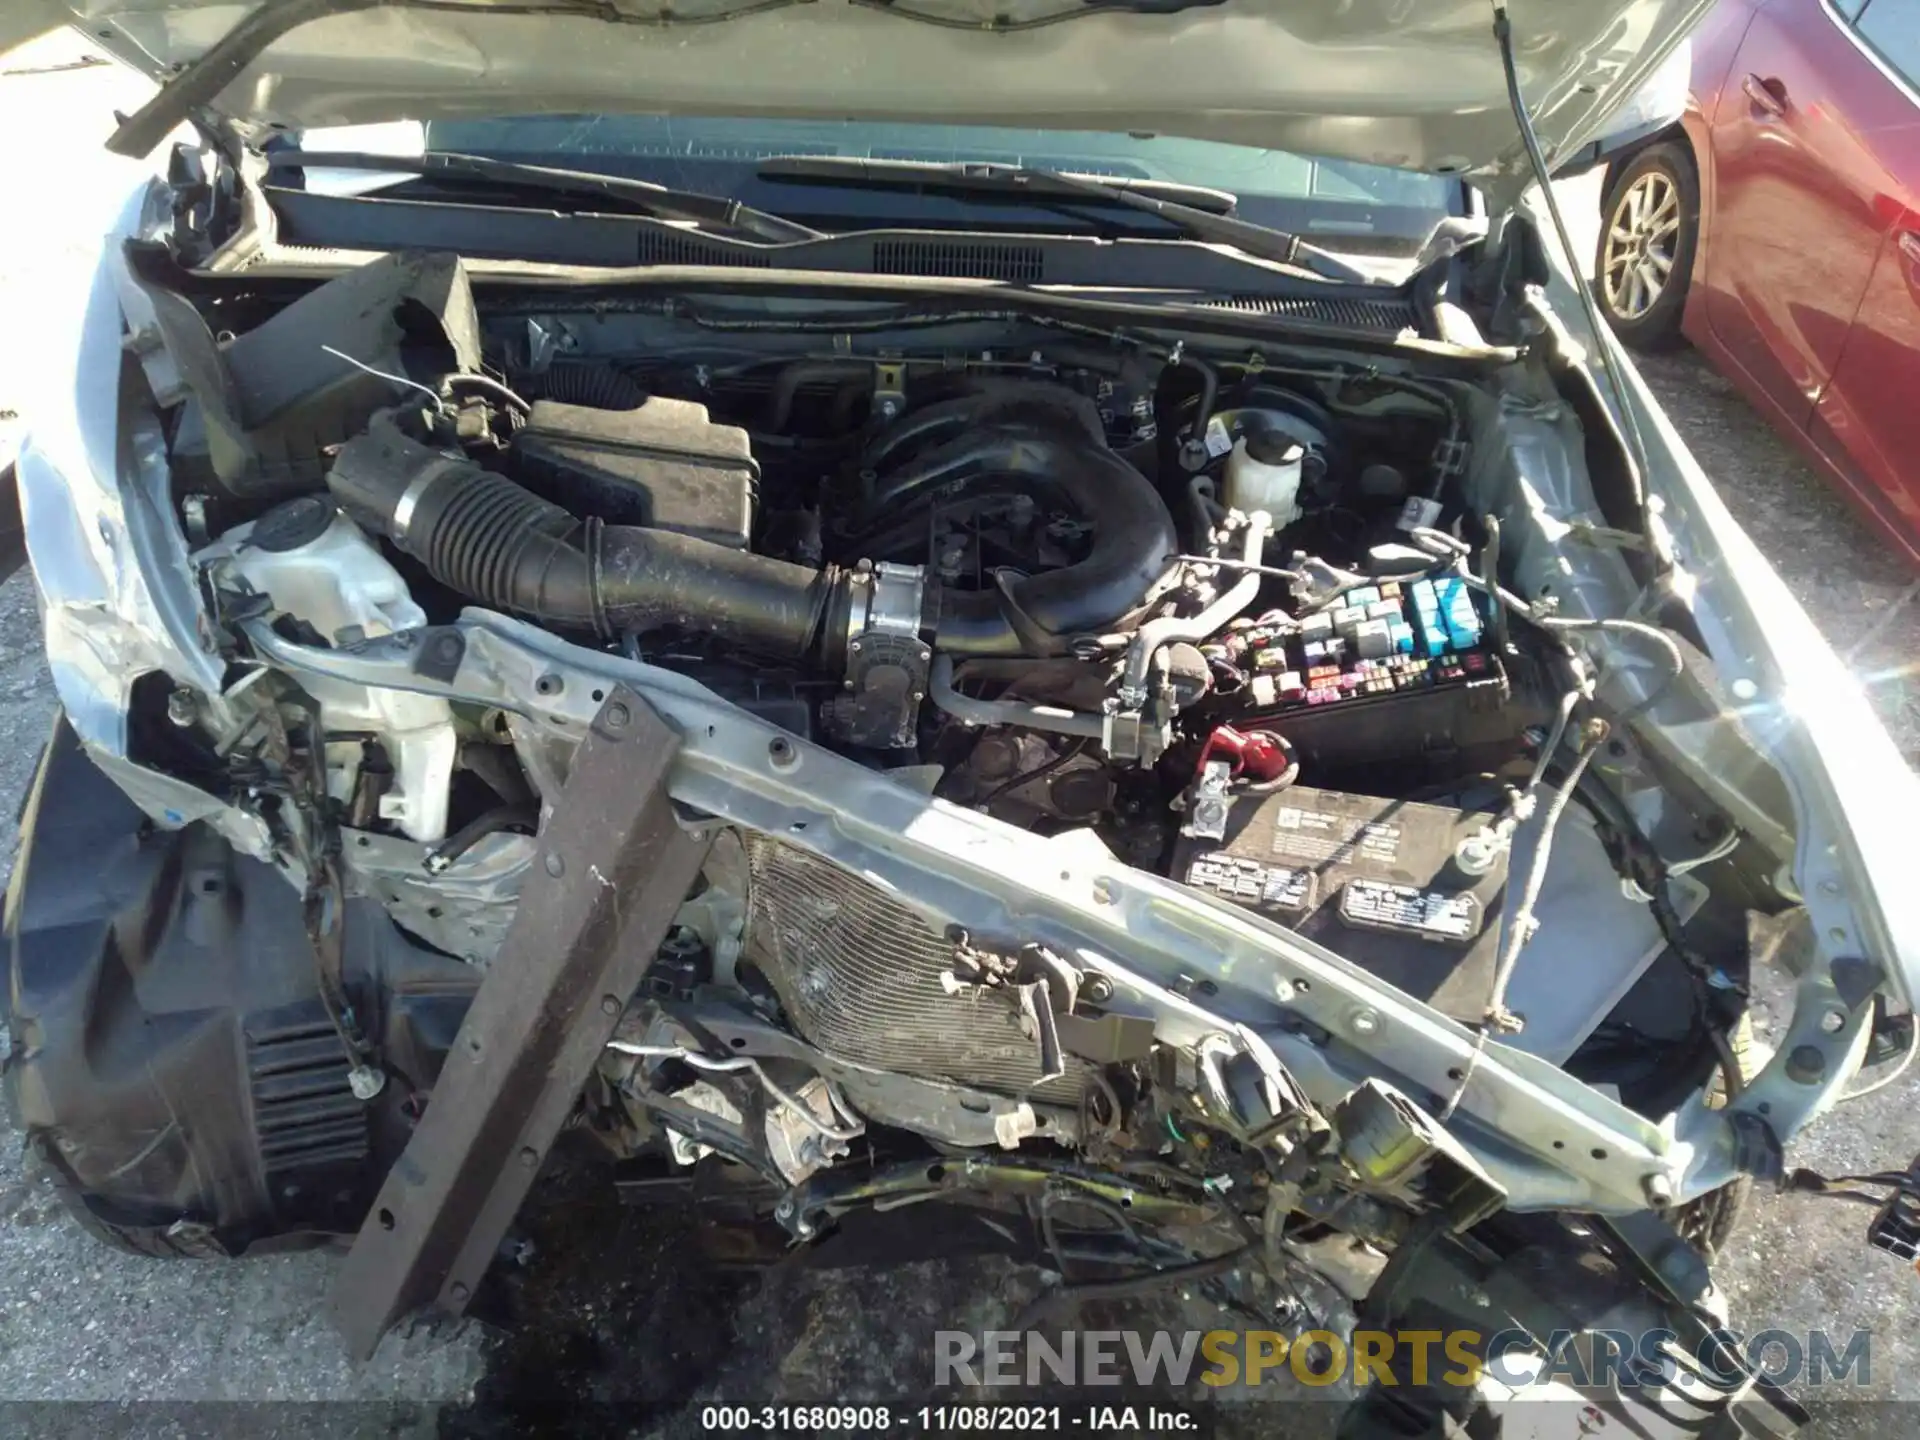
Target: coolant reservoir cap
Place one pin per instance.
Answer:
(289, 526)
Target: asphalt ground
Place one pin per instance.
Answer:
(616, 1306)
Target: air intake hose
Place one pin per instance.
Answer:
(503, 546)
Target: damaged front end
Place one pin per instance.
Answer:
(1168, 788)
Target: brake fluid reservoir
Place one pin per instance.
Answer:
(1263, 473)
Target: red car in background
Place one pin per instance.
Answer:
(1777, 227)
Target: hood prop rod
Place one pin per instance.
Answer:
(1601, 347)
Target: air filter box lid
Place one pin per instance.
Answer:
(664, 464)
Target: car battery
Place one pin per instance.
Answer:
(1383, 672)
(1373, 880)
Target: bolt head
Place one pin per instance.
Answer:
(609, 1005)
(458, 1293)
(1806, 1064)
(617, 716)
(529, 1156)
(555, 865)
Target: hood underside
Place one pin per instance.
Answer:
(1415, 84)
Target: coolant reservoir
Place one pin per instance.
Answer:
(317, 566)
(1263, 473)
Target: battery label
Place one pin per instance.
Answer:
(1269, 887)
(1315, 836)
(1430, 914)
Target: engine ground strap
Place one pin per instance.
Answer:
(615, 866)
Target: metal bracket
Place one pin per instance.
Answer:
(614, 868)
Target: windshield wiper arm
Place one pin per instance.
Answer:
(656, 200)
(1197, 211)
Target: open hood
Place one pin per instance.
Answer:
(1415, 84)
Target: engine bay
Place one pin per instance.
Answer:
(1279, 627)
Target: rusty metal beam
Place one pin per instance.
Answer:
(614, 867)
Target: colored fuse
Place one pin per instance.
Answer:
(1319, 673)
(1433, 629)
(1350, 680)
(1455, 602)
(1390, 590)
(1401, 634)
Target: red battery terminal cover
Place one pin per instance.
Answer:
(1257, 755)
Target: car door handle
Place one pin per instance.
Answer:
(1767, 94)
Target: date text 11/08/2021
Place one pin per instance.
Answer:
(870, 1419)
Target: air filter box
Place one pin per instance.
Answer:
(664, 465)
(1373, 880)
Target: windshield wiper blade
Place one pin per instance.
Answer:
(1196, 211)
(656, 200)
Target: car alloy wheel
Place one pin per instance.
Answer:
(1641, 245)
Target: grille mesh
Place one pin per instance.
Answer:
(304, 1112)
(1389, 315)
(859, 974)
(665, 247)
(958, 260)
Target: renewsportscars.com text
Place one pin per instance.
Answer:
(1394, 1357)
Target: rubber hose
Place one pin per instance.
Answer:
(506, 548)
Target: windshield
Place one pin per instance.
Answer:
(1341, 205)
